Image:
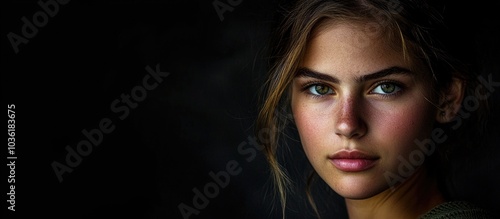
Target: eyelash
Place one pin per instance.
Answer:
(399, 85)
(307, 86)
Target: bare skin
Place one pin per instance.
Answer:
(406, 201)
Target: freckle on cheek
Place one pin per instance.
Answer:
(409, 122)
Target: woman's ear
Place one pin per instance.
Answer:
(451, 100)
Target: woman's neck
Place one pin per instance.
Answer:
(415, 196)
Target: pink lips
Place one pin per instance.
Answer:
(352, 161)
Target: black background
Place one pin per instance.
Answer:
(65, 78)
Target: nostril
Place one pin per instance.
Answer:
(350, 127)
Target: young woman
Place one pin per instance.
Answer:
(375, 99)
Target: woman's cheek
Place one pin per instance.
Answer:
(398, 130)
(315, 129)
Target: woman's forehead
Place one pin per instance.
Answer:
(346, 46)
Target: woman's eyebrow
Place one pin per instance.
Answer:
(306, 72)
(382, 73)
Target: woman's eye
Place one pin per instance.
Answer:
(320, 90)
(386, 88)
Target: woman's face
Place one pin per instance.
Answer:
(358, 109)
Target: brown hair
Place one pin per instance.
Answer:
(412, 26)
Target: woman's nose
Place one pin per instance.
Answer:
(349, 120)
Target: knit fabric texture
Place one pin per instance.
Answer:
(457, 210)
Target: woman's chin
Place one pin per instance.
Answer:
(356, 188)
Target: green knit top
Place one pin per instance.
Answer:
(457, 210)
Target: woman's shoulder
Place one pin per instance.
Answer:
(457, 210)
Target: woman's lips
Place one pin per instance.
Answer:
(352, 161)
